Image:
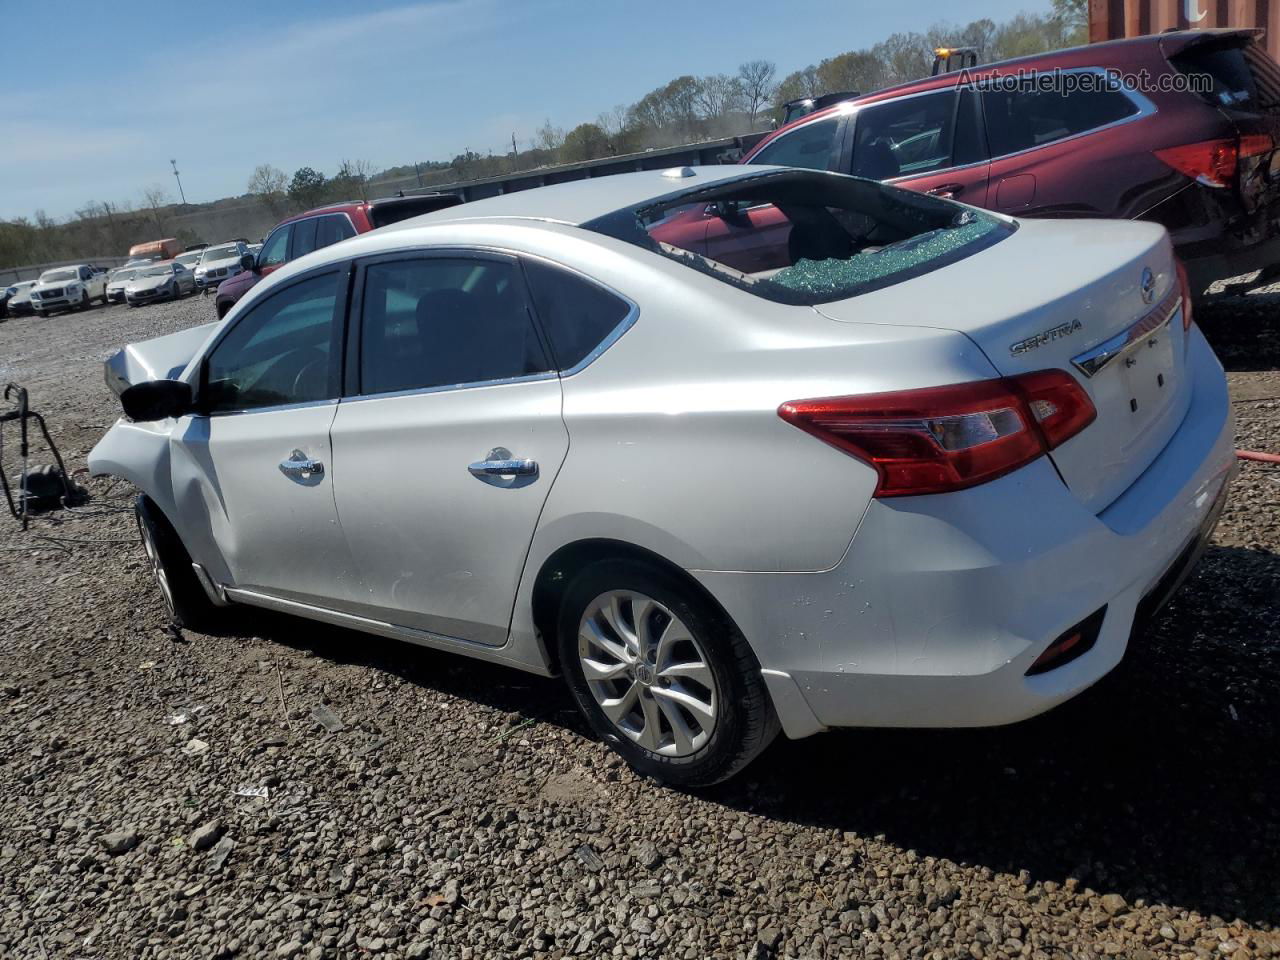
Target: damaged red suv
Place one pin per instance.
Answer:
(1204, 164)
(299, 235)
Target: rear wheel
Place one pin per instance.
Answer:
(185, 600)
(663, 677)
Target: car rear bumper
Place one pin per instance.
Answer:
(1215, 237)
(941, 604)
(1209, 262)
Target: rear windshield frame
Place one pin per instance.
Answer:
(628, 224)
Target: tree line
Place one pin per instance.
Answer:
(686, 109)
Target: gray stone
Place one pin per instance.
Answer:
(121, 841)
(202, 838)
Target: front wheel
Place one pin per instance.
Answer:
(84, 300)
(661, 675)
(184, 599)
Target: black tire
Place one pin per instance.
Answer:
(745, 723)
(84, 301)
(185, 600)
(104, 301)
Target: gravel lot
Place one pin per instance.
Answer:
(168, 796)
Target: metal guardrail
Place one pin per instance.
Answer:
(726, 150)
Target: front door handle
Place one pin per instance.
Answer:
(945, 190)
(302, 468)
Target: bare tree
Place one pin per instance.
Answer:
(613, 122)
(356, 174)
(717, 95)
(548, 137)
(155, 197)
(269, 184)
(756, 80)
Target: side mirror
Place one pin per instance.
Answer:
(247, 262)
(156, 400)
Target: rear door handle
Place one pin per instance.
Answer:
(302, 468)
(946, 190)
(504, 468)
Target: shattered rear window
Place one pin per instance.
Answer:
(806, 237)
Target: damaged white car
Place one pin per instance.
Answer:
(886, 460)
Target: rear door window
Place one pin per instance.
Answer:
(1023, 119)
(331, 229)
(905, 137)
(445, 321)
(304, 238)
(808, 147)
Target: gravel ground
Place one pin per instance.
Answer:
(176, 796)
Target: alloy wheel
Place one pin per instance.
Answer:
(157, 566)
(648, 673)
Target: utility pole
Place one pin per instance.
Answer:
(174, 164)
(418, 171)
(515, 154)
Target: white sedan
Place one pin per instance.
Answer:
(928, 468)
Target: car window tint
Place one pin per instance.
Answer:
(436, 322)
(904, 137)
(576, 314)
(1022, 119)
(276, 250)
(304, 238)
(280, 351)
(329, 230)
(808, 146)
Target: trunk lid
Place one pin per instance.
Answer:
(1068, 295)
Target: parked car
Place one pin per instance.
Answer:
(68, 288)
(300, 235)
(1204, 165)
(118, 280)
(5, 294)
(189, 259)
(929, 414)
(168, 280)
(218, 263)
(18, 298)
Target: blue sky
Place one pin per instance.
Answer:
(96, 98)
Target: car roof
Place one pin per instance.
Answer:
(578, 201)
(1117, 51)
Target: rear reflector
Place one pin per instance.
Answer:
(1073, 644)
(1184, 285)
(940, 439)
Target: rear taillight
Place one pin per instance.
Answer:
(1210, 162)
(940, 439)
(1214, 163)
(1184, 286)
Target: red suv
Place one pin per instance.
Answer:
(1204, 164)
(299, 235)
